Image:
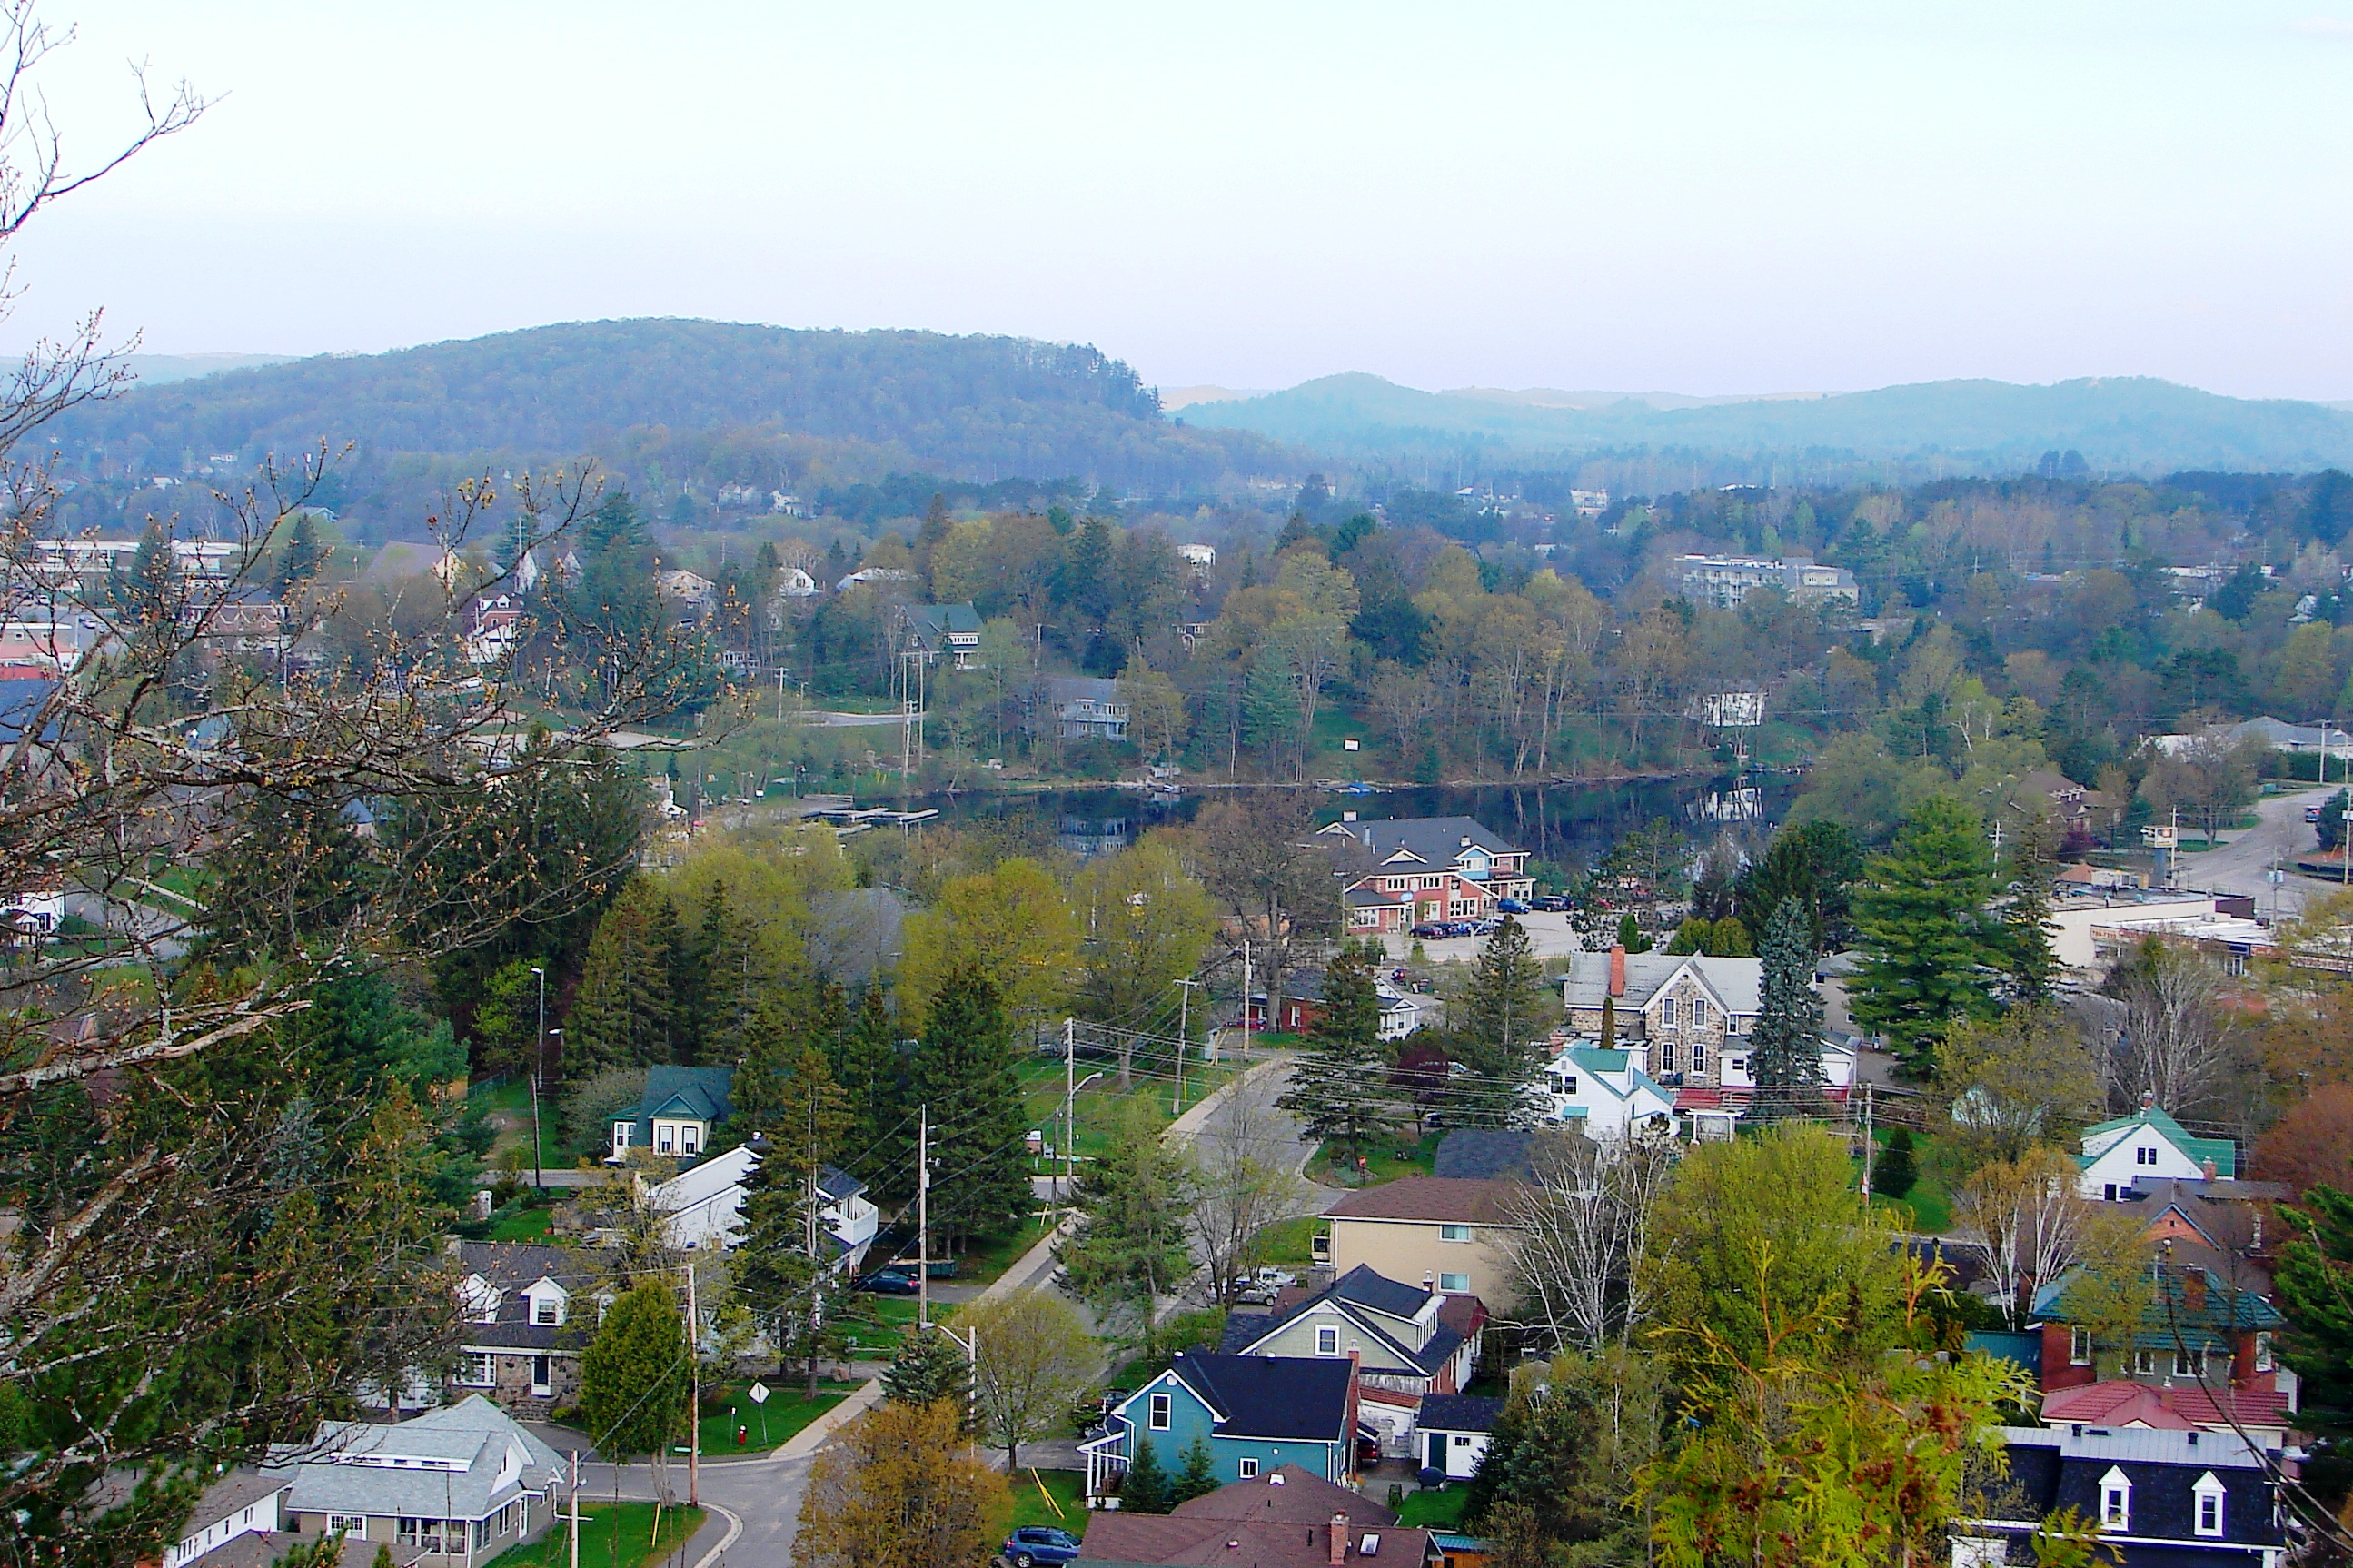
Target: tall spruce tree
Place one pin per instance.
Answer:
(1933, 951)
(1340, 1088)
(1497, 1028)
(963, 1072)
(779, 1265)
(1145, 1488)
(1785, 1049)
(621, 1016)
(879, 1149)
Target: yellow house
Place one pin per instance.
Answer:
(1447, 1234)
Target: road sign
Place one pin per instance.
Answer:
(2161, 835)
(757, 1394)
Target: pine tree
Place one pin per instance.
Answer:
(1133, 1201)
(1145, 1488)
(1629, 933)
(1497, 1028)
(1339, 1087)
(633, 1383)
(303, 555)
(929, 1368)
(964, 1072)
(1200, 1476)
(2028, 962)
(879, 1149)
(780, 1263)
(621, 1015)
(1271, 708)
(1784, 1047)
(1932, 952)
(1896, 1170)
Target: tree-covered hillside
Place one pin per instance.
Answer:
(1934, 429)
(979, 408)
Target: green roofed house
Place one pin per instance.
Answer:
(681, 1108)
(2148, 1146)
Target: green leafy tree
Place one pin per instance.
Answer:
(633, 1375)
(1145, 1488)
(964, 1072)
(1198, 1475)
(1035, 1357)
(1148, 922)
(1725, 938)
(1339, 1087)
(506, 1021)
(1933, 951)
(1572, 1437)
(1785, 1046)
(1814, 863)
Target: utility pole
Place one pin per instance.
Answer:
(538, 1070)
(922, 1218)
(576, 1507)
(1184, 1033)
(1246, 995)
(694, 1397)
(1868, 1147)
(1070, 1098)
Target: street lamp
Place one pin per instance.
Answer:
(538, 1066)
(1071, 1128)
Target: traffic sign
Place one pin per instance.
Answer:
(757, 1394)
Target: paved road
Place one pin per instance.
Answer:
(2238, 866)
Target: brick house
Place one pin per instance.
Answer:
(525, 1313)
(2200, 1334)
(1397, 873)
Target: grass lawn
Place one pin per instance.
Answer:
(598, 1522)
(898, 1315)
(788, 1410)
(523, 1225)
(1384, 1161)
(1050, 1496)
(512, 1099)
(1041, 1098)
(1287, 1241)
(1931, 1206)
(1428, 1509)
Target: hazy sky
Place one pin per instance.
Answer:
(1646, 194)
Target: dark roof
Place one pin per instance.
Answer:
(1366, 1288)
(700, 1092)
(1271, 1396)
(261, 1548)
(513, 1267)
(21, 701)
(838, 1184)
(2061, 1467)
(1167, 1540)
(1486, 1153)
(1459, 1413)
(1361, 1292)
(1436, 840)
(1451, 1200)
(1302, 1498)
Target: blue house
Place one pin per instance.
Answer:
(1255, 1413)
(681, 1108)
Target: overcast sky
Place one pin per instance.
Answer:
(1691, 197)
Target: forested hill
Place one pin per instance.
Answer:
(978, 409)
(2122, 425)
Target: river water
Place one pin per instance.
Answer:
(1567, 824)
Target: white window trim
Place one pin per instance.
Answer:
(1454, 1233)
(353, 1525)
(1246, 1468)
(2079, 1347)
(2206, 1487)
(2115, 1487)
(481, 1361)
(1327, 1340)
(1159, 1410)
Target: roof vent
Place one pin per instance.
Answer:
(1275, 1480)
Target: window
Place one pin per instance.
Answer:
(621, 1136)
(2115, 1500)
(1569, 1083)
(2189, 1363)
(1462, 1439)
(1246, 1468)
(1667, 1012)
(2079, 1347)
(1160, 1406)
(1327, 1341)
(481, 1533)
(352, 1524)
(1667, 1056)
(1698, 1013)
(1456, 1284)
(2144, 1155)
(541, 1379)
(2263, 1362)
(2110, 1192)
(474, 1370)
(662, 1138)
(2145, 1363)
(1699, 1057)
(1454, 1233)
(690, 1140)
(546, 1309)
(2208, 1495)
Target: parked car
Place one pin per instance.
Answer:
(1512, 906)
(889, 1282)
(2312, 814)
(1550, 904)
(1252, 1294)
(1462, 928)
(1430, 931)
(1369, 1452)
(1035, 1543)
(1279, 1279)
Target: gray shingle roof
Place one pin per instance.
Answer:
(457, 1458)
(1435, 840)
(1736, 981)
(1271, 1396)
(1459, 1413)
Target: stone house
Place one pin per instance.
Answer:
(525, 1313)
(1675, 1016)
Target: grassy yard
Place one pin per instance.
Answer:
(634, 1522)
(1287, 1241)
(898, 1315)
(788, 1409)
(1428, 1509)
(1928, 1202)
(1041, 1098)
(1053, 1497)
(523, 1225)
(1384, 1161)
(511, 1099)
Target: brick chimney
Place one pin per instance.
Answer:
(1339, 1534)
(2207, 1165)
(1617, 970)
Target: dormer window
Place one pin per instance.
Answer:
(2206, 1499)
(547, 1311)
(2115, 1500)
(2144, 1155)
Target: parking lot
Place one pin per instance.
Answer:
(1548, 933)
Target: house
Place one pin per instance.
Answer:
(1081, 707)
(2120, 1405)
(1255, 1413)
(1606, 1095)
(681, 1108)
(1412, 869)
(2199, 1331)
(934, 632)
(1402, 1338)
(1401, 1012)
(865, 574)
(1199, 558)
(1726, 581)
(461, 1484)
(1287, 1517)
(497, 626)
(2148, 1145)
(525, 1312)
(704, 1205)
(244, 1502)
(1452, 1432)
(1675, 1014)
(2219, 1225)
(792, 583)
(1453, 1234)
(2159, 1499)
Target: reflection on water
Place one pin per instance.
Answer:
(1568, 824)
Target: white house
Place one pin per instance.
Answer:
(1453, 1431)
(242, 1502)
(1605, 1093)
(1838, 1066)
(2148, 1146)
(704, 1206)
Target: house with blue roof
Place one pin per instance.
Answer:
(682, 1108)
(2145, 1147)
(1606, 1095)
(1255, 1412)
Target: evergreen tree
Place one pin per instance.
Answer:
(1897, 1169)
(633, 1383)
(2027, 963)
(1629, 933)
(1200, 1476)
(1339, 1087)
(929, 1368)
(621, 1015)
(1271, 708)
(1497, 1028)
(780, 1264)
(152, 595)
(300, 561)
(1133, 1200)
(1145, 1488)
(1816, 863)
(1932, 952)
(879, 1149)
(964, 1072)
(1784, 1047)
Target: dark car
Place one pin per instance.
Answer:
(1034, 1543)
(1429, 931)
(1512, 906)
(1369, 1452)
(889, 1282)
(1549, 904)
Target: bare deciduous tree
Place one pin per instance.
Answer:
(2178, 1046)
(1582, 1239)
(1244, 1158)
(2025, 1216)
